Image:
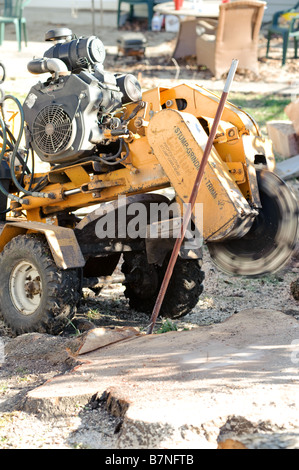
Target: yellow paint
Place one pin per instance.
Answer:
(157, 159)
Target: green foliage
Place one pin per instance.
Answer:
(167, 325)
(262, 108)
(93, 314)
(76, 331)
(3, 388)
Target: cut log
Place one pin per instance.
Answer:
(292, 111)
(284, 138)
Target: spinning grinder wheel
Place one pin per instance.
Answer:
(270, 242)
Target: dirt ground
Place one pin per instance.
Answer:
(89, 426)
(223, 295)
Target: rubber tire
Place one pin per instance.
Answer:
(184, 289)
(60, 295)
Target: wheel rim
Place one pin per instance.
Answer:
(25, 287)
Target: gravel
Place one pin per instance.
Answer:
(94, 427)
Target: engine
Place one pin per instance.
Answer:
(68, 116)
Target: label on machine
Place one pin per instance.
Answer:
(178, 141)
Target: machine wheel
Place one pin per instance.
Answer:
(270, 242)
(35, 294)
(183, 290)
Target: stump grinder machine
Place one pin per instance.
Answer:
(107, 144)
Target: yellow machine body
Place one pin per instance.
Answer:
(108, 145)
(178, 141)
(229, 193)
(248, 217)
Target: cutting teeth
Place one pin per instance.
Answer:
(270, 242)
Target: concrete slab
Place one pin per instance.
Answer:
(289, 168)
(177, 390)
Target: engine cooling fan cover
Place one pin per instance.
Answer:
(53, 130)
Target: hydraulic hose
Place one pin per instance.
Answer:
(15, 151)
(10, 145)
(13, 197)
(3, 75)
(107, 160)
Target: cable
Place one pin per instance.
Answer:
(11, 145)
(12, 141)
(134, 112)
(32, 169)
(15, 150)
(110, 157)
(42, 183)
(2, 79)
(107, 159)
(2, 189)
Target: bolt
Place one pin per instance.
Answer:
(138, 122)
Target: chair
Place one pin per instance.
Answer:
(13, 13)
(132, 3)
(285, 23)
(234, 36)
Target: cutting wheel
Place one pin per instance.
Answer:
(269, 244)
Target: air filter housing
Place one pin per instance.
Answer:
(78, 53)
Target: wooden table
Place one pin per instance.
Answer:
(189, 15)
